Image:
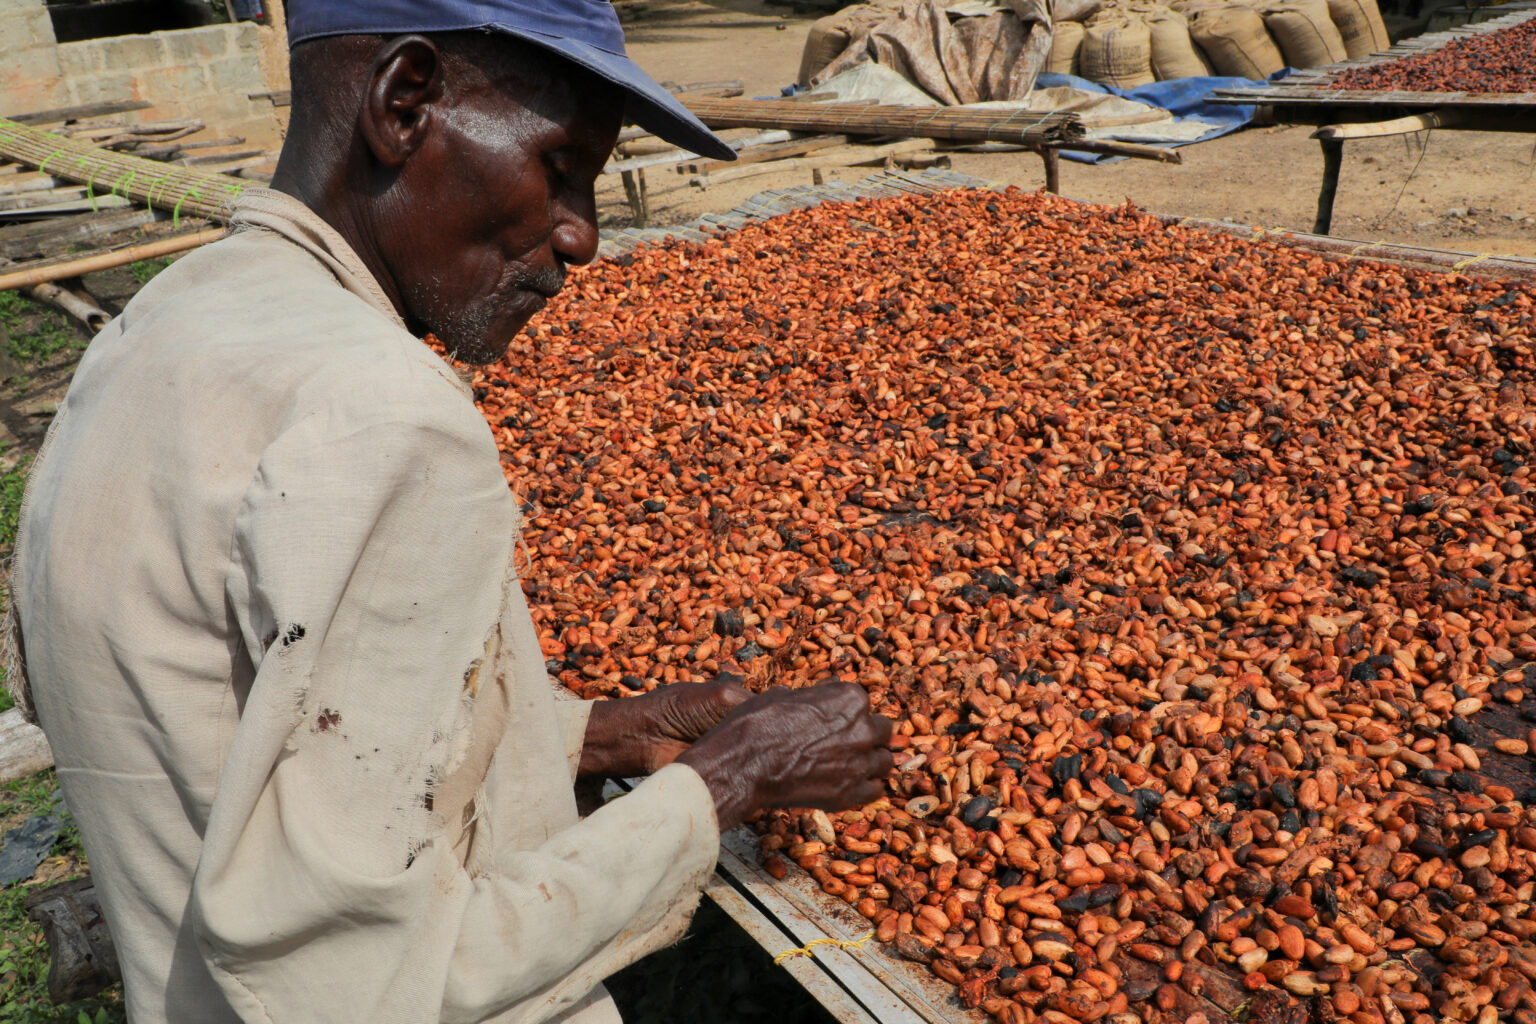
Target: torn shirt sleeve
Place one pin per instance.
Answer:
(369, 589)
(574, 714)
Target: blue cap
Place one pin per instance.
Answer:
(586, 32)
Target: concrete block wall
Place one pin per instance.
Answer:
(30, 78)
(206, 73)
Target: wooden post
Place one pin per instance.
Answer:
(634, 189)
(1333, 161)
(1052, 161)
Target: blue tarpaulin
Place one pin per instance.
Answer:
(1181, 97)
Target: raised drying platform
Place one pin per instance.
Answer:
(1310, 97)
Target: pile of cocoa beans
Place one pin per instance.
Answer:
(1494, 62)
(1191, 568)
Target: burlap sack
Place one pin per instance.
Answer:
(1173, 51)
(830, 36)
(1235, 40)
(1066, 41)
(1304, 32)
(1117, 50)
(1360, 26)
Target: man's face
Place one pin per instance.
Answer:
(483, 221)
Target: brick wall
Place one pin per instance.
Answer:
(207, 73)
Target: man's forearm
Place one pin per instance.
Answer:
(616, 743)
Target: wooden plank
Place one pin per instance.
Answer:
(677, 156)
(892, 990)
(777, 151)
(56, 235)
(849, 156)
(61, 114)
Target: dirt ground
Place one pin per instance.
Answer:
(1466, 191)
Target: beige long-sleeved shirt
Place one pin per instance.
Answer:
(274, 636)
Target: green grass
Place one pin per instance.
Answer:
(32, 332)
(23, 952)
(145, 270)
(13, 482)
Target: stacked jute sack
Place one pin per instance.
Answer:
(1136, 42)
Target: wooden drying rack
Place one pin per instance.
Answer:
(1344, 114)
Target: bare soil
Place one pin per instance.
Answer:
(1466, 191)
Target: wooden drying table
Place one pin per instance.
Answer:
(1343, 114)
(864, 982)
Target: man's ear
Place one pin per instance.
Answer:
(404, 84)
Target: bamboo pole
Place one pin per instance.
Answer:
(957, 123)
(107, 260)
(86, 311)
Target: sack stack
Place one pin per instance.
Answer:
(1126, 43)
(1237, 38)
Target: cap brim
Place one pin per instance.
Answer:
(649, 105)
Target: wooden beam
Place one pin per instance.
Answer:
(851, 156)
(961, 124)
(61, 114)
(38, 238)
(1139, 150)
(758, 154)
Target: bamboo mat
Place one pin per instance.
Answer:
(179, 190)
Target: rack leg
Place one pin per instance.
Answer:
(1333, 161)
(634, 190)
(1052, 160)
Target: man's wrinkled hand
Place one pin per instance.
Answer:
(683, 712)
(641, 735)
(816, 747)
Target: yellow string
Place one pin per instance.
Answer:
(805, 950)
(1357, 250)
(1461, 265)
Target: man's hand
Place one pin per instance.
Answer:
(818, 747)
(641, 735)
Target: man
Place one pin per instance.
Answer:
(265, 586)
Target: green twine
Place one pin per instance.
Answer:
(176, 213)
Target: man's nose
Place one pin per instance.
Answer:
(575, 236)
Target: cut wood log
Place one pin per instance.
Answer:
(83, 957)
(24, 749)
(87, 312)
